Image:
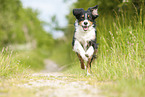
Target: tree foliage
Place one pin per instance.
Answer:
(19, 25)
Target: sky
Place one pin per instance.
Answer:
(49, 8)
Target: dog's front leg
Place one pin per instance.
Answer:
(80, 50)
(89, 54)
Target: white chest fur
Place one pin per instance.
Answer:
(84, 36)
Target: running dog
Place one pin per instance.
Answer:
(84, 39)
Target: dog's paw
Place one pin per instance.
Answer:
(88, 74)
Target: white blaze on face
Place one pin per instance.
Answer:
(86, 16)
(85, 26)
(86, 23)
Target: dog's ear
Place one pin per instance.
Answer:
(77, 12)
(94, 11)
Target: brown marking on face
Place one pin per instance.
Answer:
(91, 23)
(80, 23)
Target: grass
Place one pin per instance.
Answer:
(62, 54)
(9, 87)
(15, 68)
(125, 88)
(8, 64)
(20, 62)
(121, 49)
(121, 55)
(31, 59)
(120, 62)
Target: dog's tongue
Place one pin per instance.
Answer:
(85, 28)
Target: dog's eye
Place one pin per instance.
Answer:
(89, 17)
(82, 17)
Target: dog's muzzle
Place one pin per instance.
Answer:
(85, 25)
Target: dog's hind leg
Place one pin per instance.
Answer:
(89, 63)
(89, 66)
(81, 61)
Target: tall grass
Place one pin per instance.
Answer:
(8, 64)
(121, 50)
(121, 54)
(20, 62)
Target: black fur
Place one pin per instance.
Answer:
(90, 15)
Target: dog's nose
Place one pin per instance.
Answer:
(85, 23)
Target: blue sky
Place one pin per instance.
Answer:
(48, 8)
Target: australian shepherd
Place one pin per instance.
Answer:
(84, 39)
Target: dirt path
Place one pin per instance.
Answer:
(56, 84)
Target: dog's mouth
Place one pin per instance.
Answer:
(85, 28)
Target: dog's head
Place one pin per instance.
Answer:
(86, 18)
